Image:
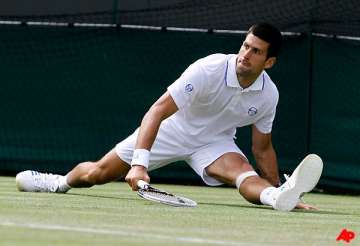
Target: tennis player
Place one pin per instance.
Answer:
(195, 120)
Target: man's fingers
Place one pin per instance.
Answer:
(310, 207)
(134, 185)
(147, 179)
(306, 206)
(135, 174)
(129, 181)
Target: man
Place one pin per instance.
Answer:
(195, 120)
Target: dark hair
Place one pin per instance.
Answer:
(269, 34)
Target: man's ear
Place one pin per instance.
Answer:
(270, 62)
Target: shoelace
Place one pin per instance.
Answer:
(46, 181)
(301, 196)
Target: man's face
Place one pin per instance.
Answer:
(252, 60)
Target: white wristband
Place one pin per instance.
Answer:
(141, 157)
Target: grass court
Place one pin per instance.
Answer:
(114, 215)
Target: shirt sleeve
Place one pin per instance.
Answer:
(188, 87)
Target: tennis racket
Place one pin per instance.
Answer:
(150, 193)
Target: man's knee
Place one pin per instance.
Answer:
(210, 171)
(97, 175)
(228, 167)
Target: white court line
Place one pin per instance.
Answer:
(195, 240)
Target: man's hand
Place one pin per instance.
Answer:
(135, 174)
(305, 206)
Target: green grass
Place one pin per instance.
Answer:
(113, 215)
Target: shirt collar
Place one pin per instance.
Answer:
(231, 79)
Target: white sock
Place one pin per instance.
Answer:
(63, 185)
(268, 195)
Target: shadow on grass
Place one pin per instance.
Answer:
(320, 212)
(235, 205)
(103, 196)
(300, 211)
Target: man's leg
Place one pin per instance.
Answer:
(229, 167)
(233, 168)
(107, 169)
(86, 174)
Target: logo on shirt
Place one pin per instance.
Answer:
(252, 111)
(189, 88)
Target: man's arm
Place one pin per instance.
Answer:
(159, 111)
(266, 161)
(265, 156)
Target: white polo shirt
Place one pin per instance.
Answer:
(212, 103)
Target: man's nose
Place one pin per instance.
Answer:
(247, 53)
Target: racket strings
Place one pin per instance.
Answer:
(163, 195)
(153, 194)
(151, 189)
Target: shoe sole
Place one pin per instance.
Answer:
(307, 176)
(18, 182)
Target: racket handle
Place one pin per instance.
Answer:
(142, 184)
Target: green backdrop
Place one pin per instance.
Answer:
(70, 94)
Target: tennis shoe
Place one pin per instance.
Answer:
(301, 199)
(33, 181)
(303, 179)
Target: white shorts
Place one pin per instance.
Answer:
(169, 147)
